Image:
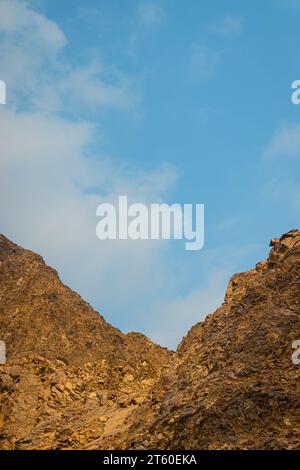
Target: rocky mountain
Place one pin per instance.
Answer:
(68, 371)
(39, 314)
(73, 381)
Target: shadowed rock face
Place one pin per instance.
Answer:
(73, 381)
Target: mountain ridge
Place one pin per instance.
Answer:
(231, 384)
(60, 320)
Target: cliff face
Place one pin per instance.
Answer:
(230, 385)
(68, 371)
(234, 385)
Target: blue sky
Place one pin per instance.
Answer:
(170, 101)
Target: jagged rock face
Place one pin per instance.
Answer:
(48, 405)
(39, 314)
(69, 375)
(234, 385)
(230, 385)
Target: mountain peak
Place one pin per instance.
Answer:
(74, 381)
(39, 314)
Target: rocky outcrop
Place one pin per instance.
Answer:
(48, 405)
(234, 385)
(39, 314)
(69, 374)
(230, 385)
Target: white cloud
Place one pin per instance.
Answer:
(17, 17)
(29, 42)
(177, 316)
(228, 26)
(88, 85)
(44, 173)
(51, 183)
(39, 76)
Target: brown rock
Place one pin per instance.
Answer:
(73, 381)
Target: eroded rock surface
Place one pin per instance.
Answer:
(70, 377)
(74, 381)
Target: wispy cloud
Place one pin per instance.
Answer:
(176, 316)
(36, 29)
(39, 76)
(205, 58)
(227, 27)
(284, 144)
(51, 180)
(53, 176)
(282, 186)
(90, 86)
(148, 17)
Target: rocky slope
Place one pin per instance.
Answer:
(39, 314)
(234, 385)
(68, 372)
(73, 381)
